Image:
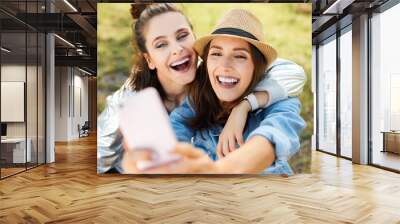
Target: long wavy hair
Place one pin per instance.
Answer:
(209, 109)
(141, 75)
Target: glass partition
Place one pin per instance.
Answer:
(14, 152)
(22, 89)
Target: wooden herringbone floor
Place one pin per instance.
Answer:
(70, 191)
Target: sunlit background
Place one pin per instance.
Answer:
(287, 27)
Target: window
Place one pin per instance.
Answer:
(327, 96)
(346, 75)
(385, 87)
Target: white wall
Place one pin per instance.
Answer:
(71, 94)
(12, 101)
(61, 103)
(14, 73)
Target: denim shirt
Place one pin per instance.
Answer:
(280, 124)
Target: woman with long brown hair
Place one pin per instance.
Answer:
(168, 62)
(236, 50)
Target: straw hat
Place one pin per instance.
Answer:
(241, 24)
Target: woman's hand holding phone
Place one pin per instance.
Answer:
(192, 161)
(145, 126)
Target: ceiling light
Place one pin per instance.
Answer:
(70, 5)
(80, 51)
(64, 40)
(338, 6)
(5, 49)
(84, 71)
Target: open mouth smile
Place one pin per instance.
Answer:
(227, 81)
(182, 65)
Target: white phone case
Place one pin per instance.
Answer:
(145, 124)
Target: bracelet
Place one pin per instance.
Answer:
(251, 98)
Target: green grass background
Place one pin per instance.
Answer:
(287, 27)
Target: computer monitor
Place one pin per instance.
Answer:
(3, 129)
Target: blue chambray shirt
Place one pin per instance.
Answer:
(280, 124)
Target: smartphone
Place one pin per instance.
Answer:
(145, 125)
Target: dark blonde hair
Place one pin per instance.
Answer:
(141, 75)
(205, 102)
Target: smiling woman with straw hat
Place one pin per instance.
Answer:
(235, 55)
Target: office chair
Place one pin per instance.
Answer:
(84, 130)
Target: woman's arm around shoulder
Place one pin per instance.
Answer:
(282, 79)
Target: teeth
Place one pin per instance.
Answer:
(226, 79)
(180, 62)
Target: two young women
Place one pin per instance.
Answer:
(213, 95)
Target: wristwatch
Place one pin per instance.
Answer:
(251, 98)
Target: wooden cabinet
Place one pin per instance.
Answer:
(391, 142)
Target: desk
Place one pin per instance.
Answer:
(15, 148)
(391, 141)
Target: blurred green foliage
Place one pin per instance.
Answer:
(287, 27)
